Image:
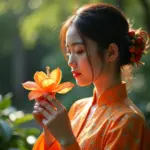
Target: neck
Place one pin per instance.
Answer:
(104, 83)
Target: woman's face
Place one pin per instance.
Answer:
(78, 59)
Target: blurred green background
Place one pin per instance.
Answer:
(29, 41)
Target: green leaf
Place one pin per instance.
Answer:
(8, 111)
(6, 101)
(5, 130)
(28, 131)
(26, 118)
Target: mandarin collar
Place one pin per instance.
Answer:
(111, 95)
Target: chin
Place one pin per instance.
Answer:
(82, 84)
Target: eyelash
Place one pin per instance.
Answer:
(78, 52)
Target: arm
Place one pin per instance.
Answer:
(49, 139)
(125, 133)
(71, 144)
(43, 142)
(46, 138)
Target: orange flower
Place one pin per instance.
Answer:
(47, 83)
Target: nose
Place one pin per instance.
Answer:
(72, 62)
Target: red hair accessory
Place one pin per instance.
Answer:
(138, 46)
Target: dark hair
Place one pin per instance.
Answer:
(104, 24)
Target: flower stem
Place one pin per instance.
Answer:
(48, 71)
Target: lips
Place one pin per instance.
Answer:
(75, 74)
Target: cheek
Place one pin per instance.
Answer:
(84, 64)
(97, 65)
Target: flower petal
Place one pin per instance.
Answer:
(47, 82)
(56, 75)
(64, 88)
(35, 94)
(29, 85)
(39, 77)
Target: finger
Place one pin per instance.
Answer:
(41, 110)
(36, 104)
(45, 95)
(44, 121)
(55, 102)
(36, 108)
(38, 117)
(46, 114)
(48, 107)
(40, 98)
(49, 98)
(35, 112)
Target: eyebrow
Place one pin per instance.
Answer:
(75, 43)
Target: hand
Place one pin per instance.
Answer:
(56, 120)
(36, 112)
(49, 138)
(37, 115)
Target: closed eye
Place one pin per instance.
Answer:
(80, 52)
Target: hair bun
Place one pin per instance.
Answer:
(139, 43)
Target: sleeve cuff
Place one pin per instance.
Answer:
(74, 146)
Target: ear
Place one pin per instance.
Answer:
(112, 52)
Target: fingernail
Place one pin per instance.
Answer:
(35, 112)
(36, 104)
(44, 121)
(35, 107)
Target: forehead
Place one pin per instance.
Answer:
(72, 35)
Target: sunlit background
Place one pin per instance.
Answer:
(29, 41)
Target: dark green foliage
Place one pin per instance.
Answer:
(12, 135)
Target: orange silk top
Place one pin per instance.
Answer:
(116, 124)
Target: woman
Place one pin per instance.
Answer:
(98, 44)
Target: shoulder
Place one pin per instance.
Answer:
(78, 106)
(126, 119)
(124, 116)
(83, 101)
(128, 109)
(127, 127)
